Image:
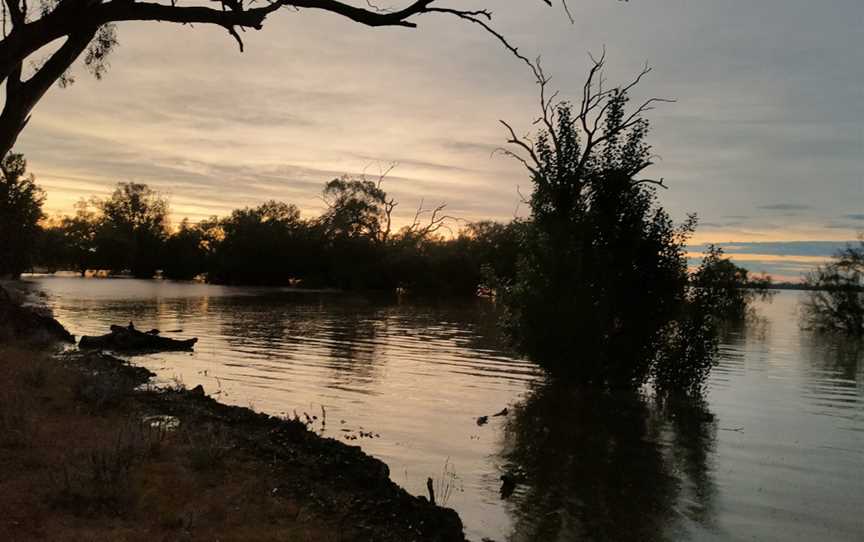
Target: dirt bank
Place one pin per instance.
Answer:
(87, 453)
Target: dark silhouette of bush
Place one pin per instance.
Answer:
(264, 245)
(600, 293)
(184, 256)
(351, 246)
(20, 212)
(836, 299)
(731, 287)
(132, 230)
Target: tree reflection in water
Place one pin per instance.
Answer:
(604, 466)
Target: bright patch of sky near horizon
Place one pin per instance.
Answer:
(764, 142)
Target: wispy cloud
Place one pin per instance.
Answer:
(820, 249)
(785, 207)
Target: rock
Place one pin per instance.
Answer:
(197, 391)
(482, 420)
(508, 485)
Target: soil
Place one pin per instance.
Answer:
(90, 450)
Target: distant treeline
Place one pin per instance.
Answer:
(352, 245)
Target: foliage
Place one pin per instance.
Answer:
(601, 292)
(183, 253)
(497, 246)
(603, 271)
(836, 301)
(80, 234)
(729, 286)
(133, 226)
(350, 246)
(20, 212)
(356, 208)
(268, 244)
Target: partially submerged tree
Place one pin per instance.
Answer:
(603, 272)
(20, 212)
(89, 28)
(836, 299)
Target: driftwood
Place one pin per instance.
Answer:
(128, 339)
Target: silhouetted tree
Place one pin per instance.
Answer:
(497, 247)
(89, 28)
(604, 268)
(184, 253)
(20, 212)
(80, 233)
(133, 228)
(363, 252)
(268, 244)
(350, 246)
(357, 209)
(731, 287)
(836, 302)
(51, 250)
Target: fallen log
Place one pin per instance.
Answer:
(129, 339)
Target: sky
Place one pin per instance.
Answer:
(764, 141)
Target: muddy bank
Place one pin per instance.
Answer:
(30, 325)
(89, 449)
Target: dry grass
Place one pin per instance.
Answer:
(77, 463)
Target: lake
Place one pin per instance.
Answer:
(776, 453)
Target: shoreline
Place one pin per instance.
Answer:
(91, 449)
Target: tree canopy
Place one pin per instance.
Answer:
(836, 302)
(133, 226)
(20, 212)
(601, 289)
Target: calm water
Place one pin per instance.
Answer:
(777, 454)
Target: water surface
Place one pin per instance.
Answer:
(777, 453)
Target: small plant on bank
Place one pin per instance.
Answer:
(97, 391)
(208, 447)
(35, 375)
(447, 484)
(102, 480)
(16, 425)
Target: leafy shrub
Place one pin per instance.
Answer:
(836, 301)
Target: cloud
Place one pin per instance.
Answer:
(854, 216)
(785, 207)
(779, 248)
(471, 147)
